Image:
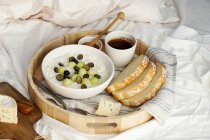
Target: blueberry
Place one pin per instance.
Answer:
(86, 75)
(97, 76)
(76, 68)
(71, 59)
(79, 57)
(90, 64)
(56, 69)
(66, 72)
(60, 64)
(86, 67)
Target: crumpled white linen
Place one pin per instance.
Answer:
(69, 13)
(161, 11)
(61, 12)
(195, 14)
(7, 73)
(161, 105)
(190, 116)
(19, 40)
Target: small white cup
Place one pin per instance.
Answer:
(120, 57)
(89, 39)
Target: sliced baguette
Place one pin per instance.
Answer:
(129, 74)
(141, 82)
(150, 91)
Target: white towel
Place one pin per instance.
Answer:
(161, 105)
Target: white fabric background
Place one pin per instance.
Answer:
(69, 13)
(190, 117)
(21, 39)
(195, 14)
(33, 33)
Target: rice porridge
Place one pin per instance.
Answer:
(77, 71)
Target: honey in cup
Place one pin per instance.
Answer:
(121, 43)
(94, 45)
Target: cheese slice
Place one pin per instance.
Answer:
(8, 109)
(108, 108)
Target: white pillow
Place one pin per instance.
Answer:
(80, 12)
(162, 11)
(61, 12)
(19, 9)
(76, 12)
(195, 14)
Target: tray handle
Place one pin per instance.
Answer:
(102, 125)
(96, 125)
(108, 125)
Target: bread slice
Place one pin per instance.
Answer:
(141, 82)
(150, 91)
(129, 74)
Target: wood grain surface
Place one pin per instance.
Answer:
(80, 122)
(23, 130)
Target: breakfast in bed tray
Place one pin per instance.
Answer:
(100, 82)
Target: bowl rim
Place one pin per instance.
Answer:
(110, 76)
(81, 40)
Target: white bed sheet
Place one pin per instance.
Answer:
(190, 117)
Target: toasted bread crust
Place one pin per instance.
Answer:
(149, 92)
(138, 85)
(127, 80)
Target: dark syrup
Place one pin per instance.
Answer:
(94, 45)
(121, 43)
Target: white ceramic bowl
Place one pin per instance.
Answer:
(89, 39)
(75, 50)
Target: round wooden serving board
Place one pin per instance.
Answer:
(83, 123)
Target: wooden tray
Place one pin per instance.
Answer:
(87, 124)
